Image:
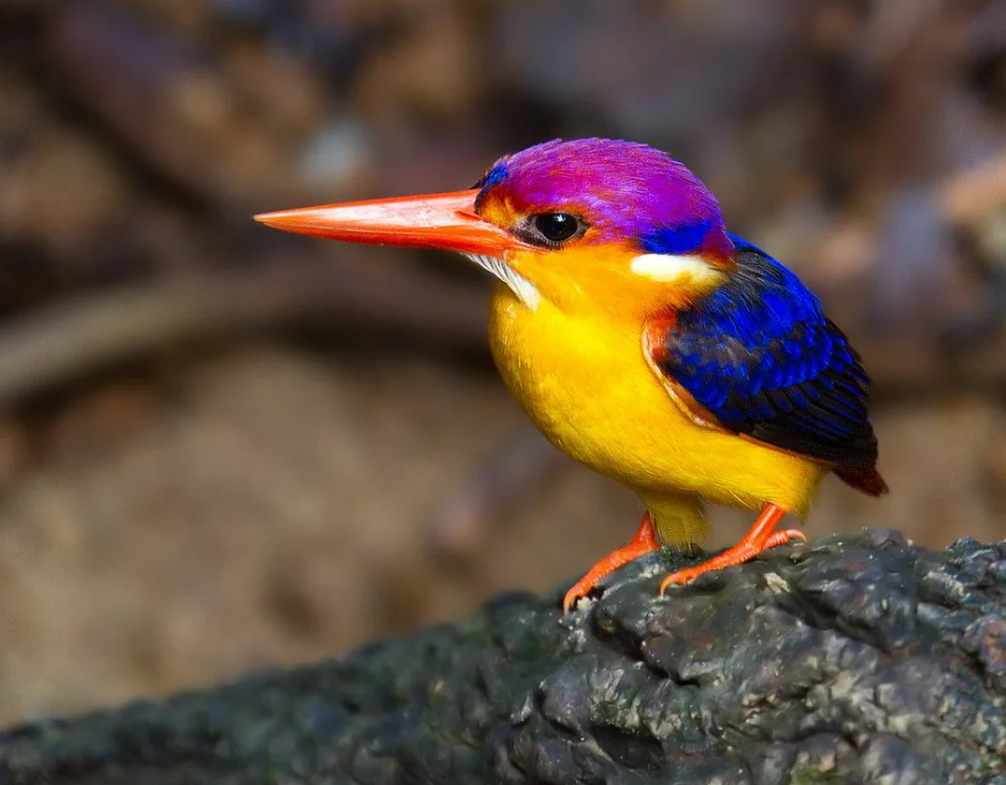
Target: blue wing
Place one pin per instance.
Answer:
(760, 355)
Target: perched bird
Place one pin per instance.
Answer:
(645, 340)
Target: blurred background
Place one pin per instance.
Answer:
(223, 448)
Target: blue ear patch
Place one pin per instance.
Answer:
(677, 239)
(494, 176)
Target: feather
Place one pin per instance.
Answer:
(762, 358)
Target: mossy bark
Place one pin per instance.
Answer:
(856, 659)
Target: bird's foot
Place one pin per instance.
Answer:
(644, 542)
(759, 538)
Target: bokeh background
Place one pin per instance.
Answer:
(223, 448)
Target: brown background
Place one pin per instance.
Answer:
(222, 448)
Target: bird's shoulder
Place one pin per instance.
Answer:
(757, 356)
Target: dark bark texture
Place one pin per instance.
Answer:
(857, 659)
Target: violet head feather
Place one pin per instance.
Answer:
(626, 192)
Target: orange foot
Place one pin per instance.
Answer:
(642, 543)
(760, 537)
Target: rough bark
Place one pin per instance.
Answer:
(857, 659)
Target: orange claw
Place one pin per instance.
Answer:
(760, 537)
(644, 541)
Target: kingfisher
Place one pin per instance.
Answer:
(645, 340)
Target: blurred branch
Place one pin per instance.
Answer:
(53, 345)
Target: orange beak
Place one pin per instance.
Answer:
(447, 221)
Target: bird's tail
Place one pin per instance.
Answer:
(865, 480)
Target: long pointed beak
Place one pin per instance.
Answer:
(446, 221)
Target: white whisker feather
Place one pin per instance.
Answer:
(526, 291)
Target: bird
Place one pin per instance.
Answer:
(644, 339)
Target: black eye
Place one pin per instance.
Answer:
(556, 227)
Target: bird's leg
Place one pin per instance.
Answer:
(643, 542)
(760, 537)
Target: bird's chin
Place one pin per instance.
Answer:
(524, 290)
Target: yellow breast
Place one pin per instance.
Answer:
(587, 386)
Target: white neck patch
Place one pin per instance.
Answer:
(526, 291)
(671, 268)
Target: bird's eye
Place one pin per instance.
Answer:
(556, 227)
